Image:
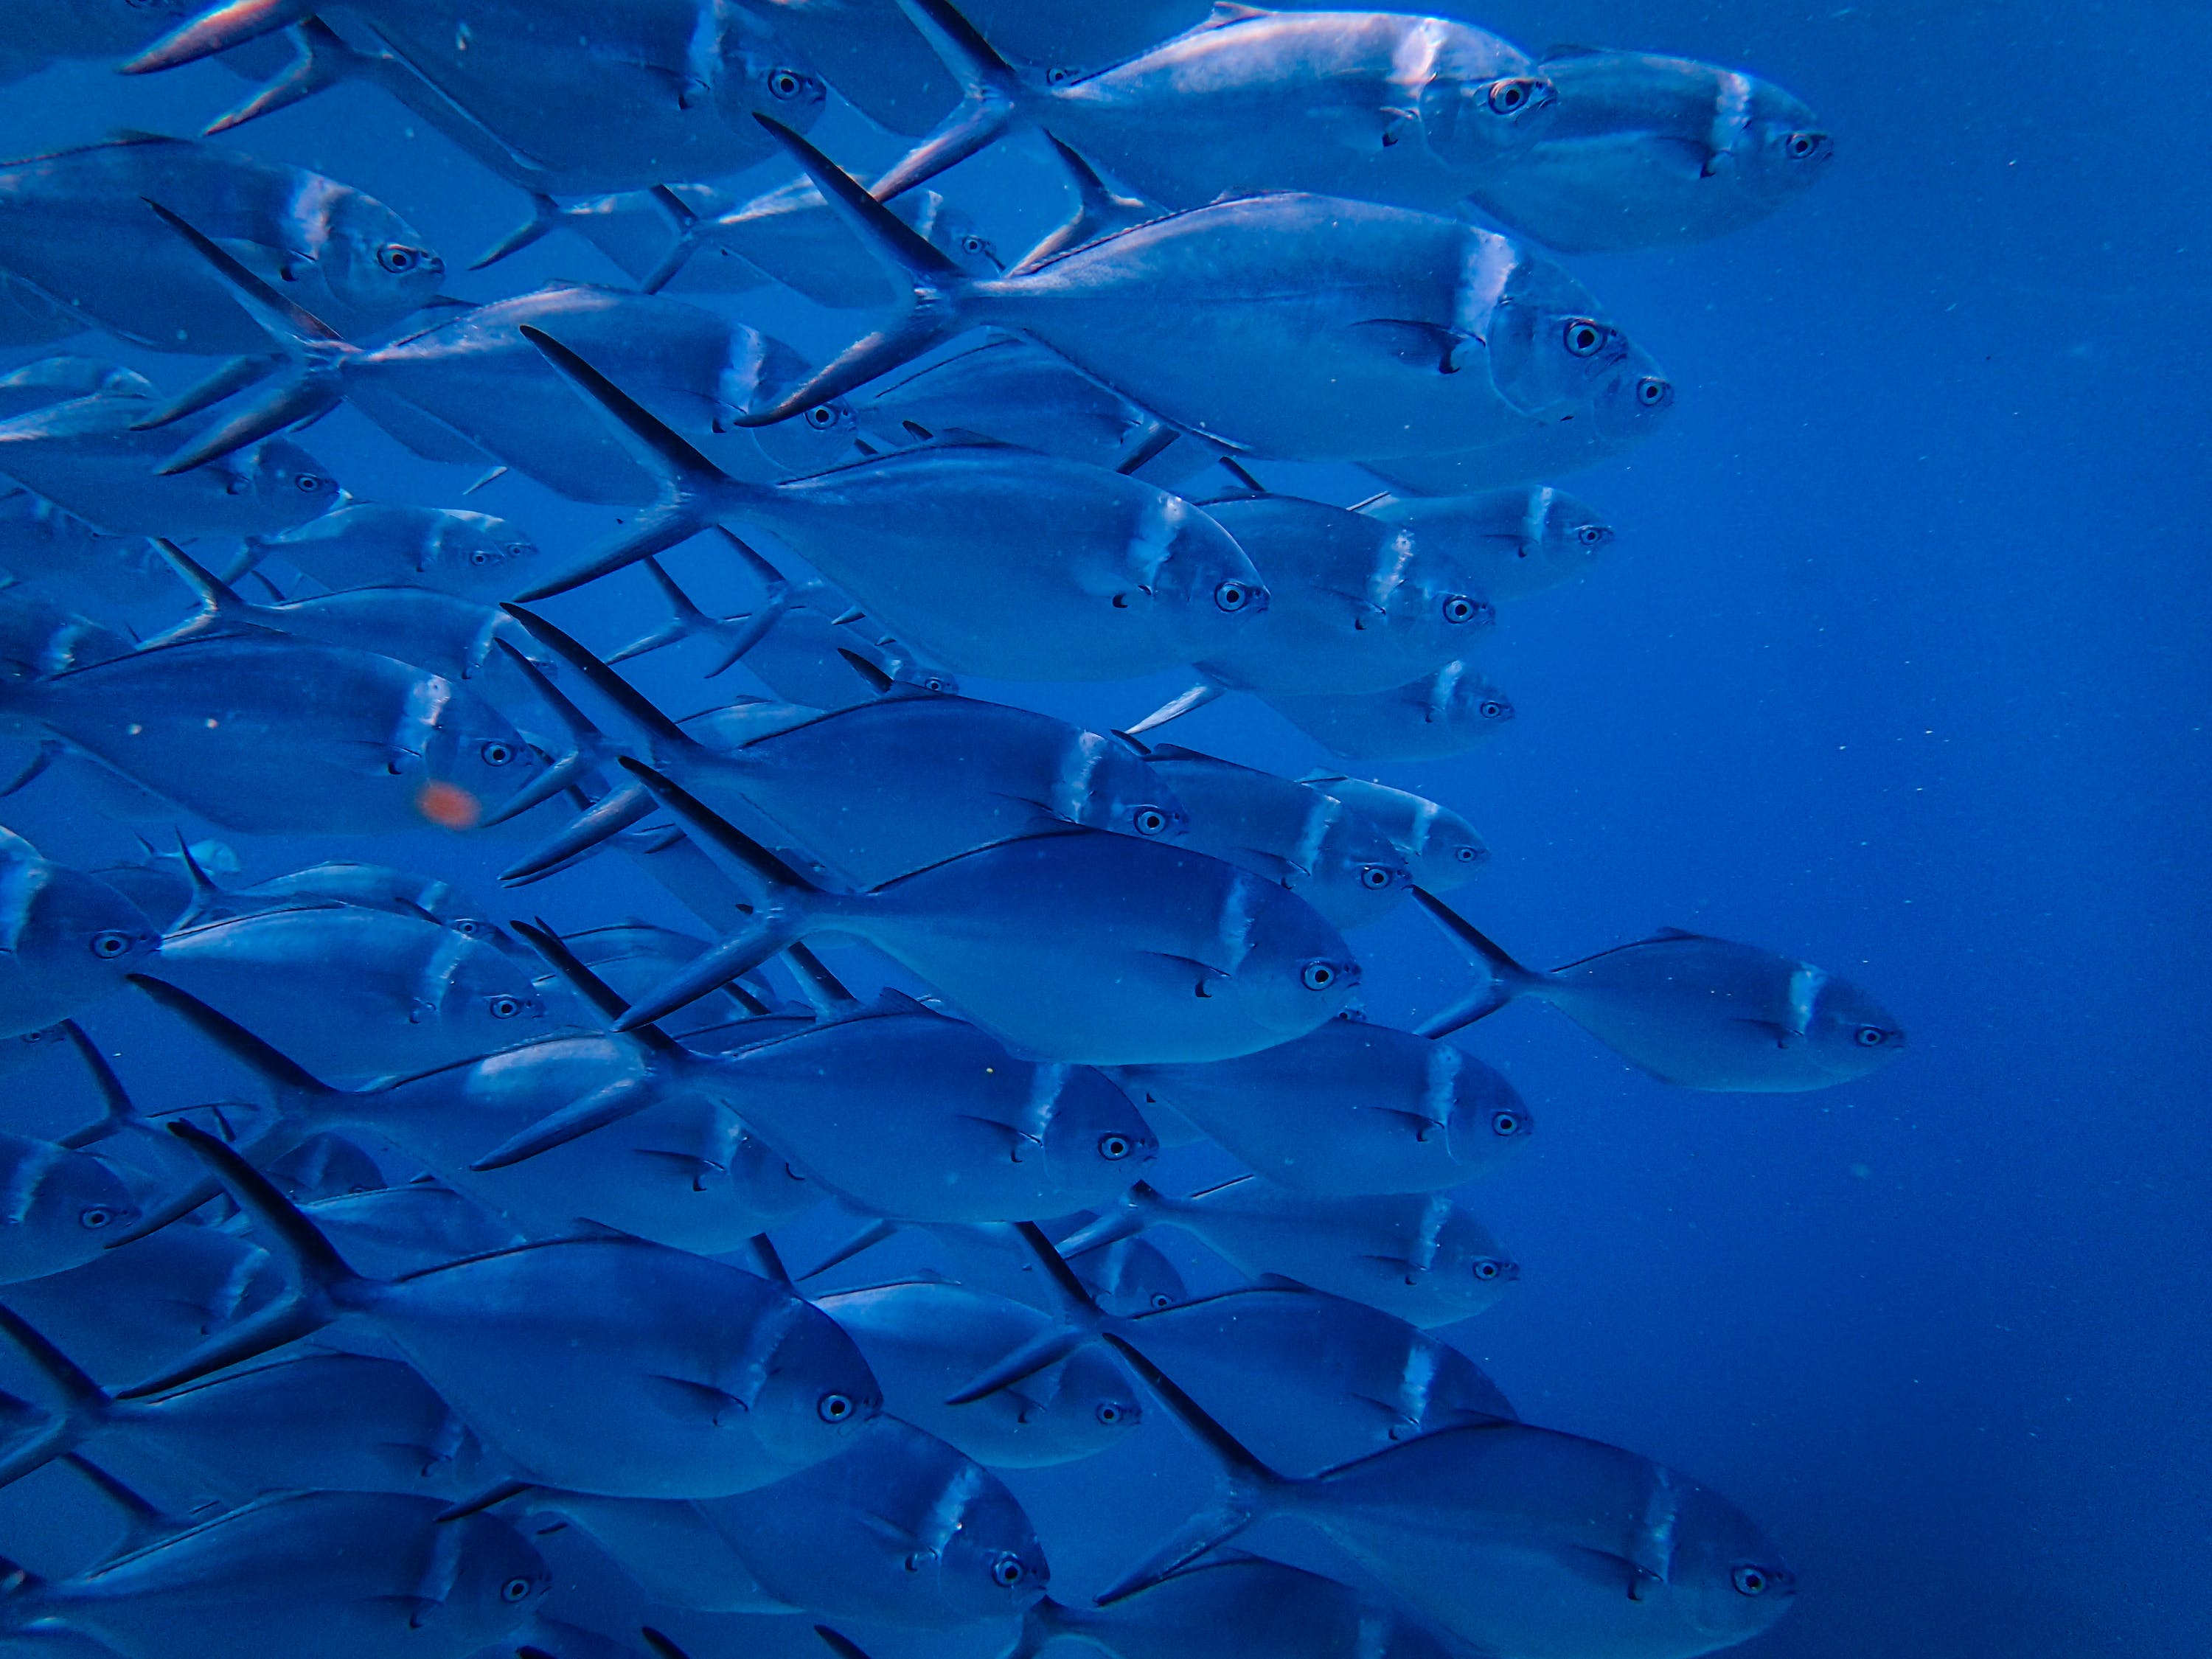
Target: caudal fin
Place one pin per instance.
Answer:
(1508, 978)
(1083, 1322)
(81, 1406)
(216, 29)
(935, 284)
(990, 97)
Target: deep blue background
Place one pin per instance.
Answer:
(1899, 664)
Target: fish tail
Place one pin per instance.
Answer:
(118, 1111)
(600, 822)
(1077, 1307)
(990, 97)
(325, 1285)
(545, 217)
(218, 30)
(233, 377)
(321, 61)
(937, 287)
(1198, 696)
(1508, 978)
(1132, 1217)
(85, 1405)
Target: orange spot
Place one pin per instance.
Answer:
(449, 805)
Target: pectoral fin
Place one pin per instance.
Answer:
(1416, 344)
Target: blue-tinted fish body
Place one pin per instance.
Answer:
(59, 1207)
(85, 456)
(924, 1339)
(1630, 407)
(38, 638)
(1645, 150)
(1419, 1256)
(352, 991)
(1507, 543)
(1438, 845)
(59, 553)
(143, 1305)
(66, 939)
(1349, 1109)
(1703, 1013)
(1068, 34)
(386, 543)
(91, 28)
(1287, 832)
(367, 886)
(74, 224)
(800, 659)
(1441, 715)
(344, 1574)
(868, 53)
(402, 1229)
(266, 735)
(633, 957)
(27, 317)
(55, 380)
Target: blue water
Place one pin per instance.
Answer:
(1899, 665)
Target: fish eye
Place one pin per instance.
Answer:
(1651, 391)
(1317, 976)
(1593, 535)
(1467, 855)
(504, 1007)
(1869, 1036)
(1504, 1123)
(1584, 337)
(1512, 97)
(1492, 709)
(480, 557)
(1151, 821)
(1460, 609)
(821, 417)
(787, 83)
(834, 1408)
(971, 244)
(1748, 1581)
(111, 945)
(497, 752)
(1007, 1572)
(1485, 1269)
(1374, 878)
(1232, 597)
(1109, 1412)
(1161, 1299)
(1114, 1147)
(1059, 77)
(95, 1216)
(399, 258)
(465, 925)
(515, 1589)
(1801, 146)
(307, 484)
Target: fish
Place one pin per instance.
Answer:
(1066, 34)
(867, 50)
(347, 1575)
(1412, 110)
(28, 318)
(1511, 543)
(1347, 1109)
(1088, 574)
(696, 238)
(882, 789)
(62, 556)
(395, 1231)
(1285, 832)
(677, 1169)
(342, 881)
(325, 1166)
(389, 544)
(38, 638)
(90, 457)
(67, 938)
(1238, 1606)
(1439, 846)
(327, 1422)
(632, 956)
(1514, 1539)
(1693, 1010)
(360, 743)
(899, 1529)
(1648, 151)
(1298, 326)
(473, 388)
(923, 1338)
(354, 992)
(74, 224)
(596, 1364)
(58, 1206)
(1420, 1256)
(1184, 957)
(1444, 713)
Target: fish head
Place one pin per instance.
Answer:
(1443, 847)
(756, 71)
(1554, 357)
(816, 1391)
(1724, 1578)
(465, 755)
(497, 1578)
(1131, 1277)
(1094, 1142)
(1469, 704)
(1296, 972)
(1563, 533)
(814, 440)
(74, 927)
(1105, 784)
(373, 260)
(1094, 1391)
(952, 232)
(1432, 608)
(59, 1208)
(1850, 1033)
(1187, 562)
(986, 1555)
(1475, 120)
(474, 553)
(1466, 1264)
(487, 992)
(289, 483)
(1483, 1116)
(1778, 150)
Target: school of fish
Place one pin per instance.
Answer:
(472, 1264)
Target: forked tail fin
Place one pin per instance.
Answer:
(1508, 978)
(218, 29)
(990, 97)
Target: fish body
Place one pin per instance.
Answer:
(75, 225)
(60, 555)
(66, 939)
(441, 633)
(393, 1230)
(143, 1305)
(1508, 543)
(38, 638)
(1645, 150)
(1441, 715)
(867, 50)
(1349, 1109)
(346, 1575)
(360, 742)
(925, 1338)
(1439, 846)
(365, 886)
(386, 543)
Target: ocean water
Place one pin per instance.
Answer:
(1899, 664)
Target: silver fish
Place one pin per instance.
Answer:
(1420, 1256)
(1508, 543)
(59, 1207)
(384, 543)
(1438, 845)
(601, 1363)
(75, 225)
(1700, 1012)
(868, 53)
(1445, 713)
(61, 556)
(66, 939)
(1645, 150)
